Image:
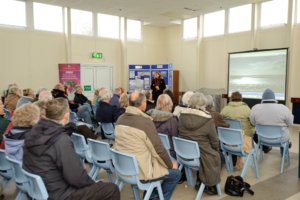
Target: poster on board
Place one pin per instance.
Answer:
(69, 75)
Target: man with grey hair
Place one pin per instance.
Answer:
(182, 106)
(104, 113)
(115, 99)
(46, 95)
(79, 97)
(7, 91)
(38, 92)
(218, 119)
(150, 104)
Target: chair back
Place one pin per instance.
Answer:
(17, 174)
(234, 124)
(126, 165)
(187, 152)
(80, 145)
(165, 140)
(72, 116)
(232, 137)
(7, 114)
(100, 152)
(94, 109)
(36, 187)
(109, 130)
(5, 167)
(269, 134)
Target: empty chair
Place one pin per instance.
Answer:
(78, 123)
(19, 178)
(7, 114)
(100, 152)
(36, 187)
(234, 138)
(271, 136)
(127, 172)
(5, 168)
(165, 140)
(109, 131)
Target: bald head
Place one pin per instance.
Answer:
(104, 95)
(138, 100)
(59, 86)
(46, 95)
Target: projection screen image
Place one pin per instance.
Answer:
(252, 73)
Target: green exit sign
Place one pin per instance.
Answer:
(87, 88)
(96, 55)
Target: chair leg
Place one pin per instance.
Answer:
(121, 185)
(160, 193)
(4, 182)
(255, 166)
(190, 177)
(230, 162)
(219, 189)
(149, 192)
(253, 145)
(288, 154)
(245, 166)
(283, 158)
(97, 129)
(110, 176)
(226, 161)
(135, 192)
(21, 196)
(200, 192)
(81, 160)
(95, 173)
(261, 153)
(109, 140)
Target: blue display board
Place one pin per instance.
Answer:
(139, 78)
(166, 71)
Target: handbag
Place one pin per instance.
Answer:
(235, 186)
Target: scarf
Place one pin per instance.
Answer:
(157, 82)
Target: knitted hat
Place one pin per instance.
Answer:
(268, 95)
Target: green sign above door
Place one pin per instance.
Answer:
(97, 55)
(87, 88)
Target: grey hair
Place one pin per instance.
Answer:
(77, 88)
(45, 95)
(137, 102)
(147, 93)
(14, 90)
(186, 97)
(210, 101)
(117, 91)
(41, 89)
(10, 85)
(104, 96)
(57, 86)
(197, 101)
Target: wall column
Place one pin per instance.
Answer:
(68, 34)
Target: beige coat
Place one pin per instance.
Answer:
(136, 135)
(11, 101)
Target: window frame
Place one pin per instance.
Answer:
(134, 40)
(76, 34)
(97, 33)
(189, 39)
(15, 26)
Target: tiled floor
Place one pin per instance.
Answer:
(270, 185)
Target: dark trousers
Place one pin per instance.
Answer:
(97, 191)
(255, 138)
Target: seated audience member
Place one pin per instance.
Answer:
(95, 96)
(12, 98)
(46, 96)
(25, 117)
(136, 135)
(10, 125)
(28, 95)
(9, 86)
(79, 97)
(171, 95)
(115, 99)
(3, 121)
(36, 98)
(269, 112)
(82, 112)
(123, 101)
(97, 100)
(66, 90)
(42, 105)
(150, 104)
(182, 106)
(49, 152)
(165, 122)
(196, 124)
(104, 113)
(218, 119)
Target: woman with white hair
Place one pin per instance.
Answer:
(12, 98)
(165, 122)
(79, 97)
(182, 106)
(196, 124)
(28, 95)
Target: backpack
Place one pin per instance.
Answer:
(235, 186)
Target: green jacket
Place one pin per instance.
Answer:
(239, 111)
(3, 125)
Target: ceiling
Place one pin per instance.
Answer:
(150, 11)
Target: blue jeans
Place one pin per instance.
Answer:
(85, 114)
(169, 183)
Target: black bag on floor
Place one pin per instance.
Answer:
(235, 186)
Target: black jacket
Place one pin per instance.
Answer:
(104, 113)
(49, 152)
(150, 106)
(117, 113)
(155, 92)
(58, 93)
(80, 98)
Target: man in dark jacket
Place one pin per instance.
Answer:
(49, 152)
(104, 113)
(82, 112)
(150, 104)
(79, 97)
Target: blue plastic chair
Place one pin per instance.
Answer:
(78, 123)
(19, 178)
(109, 131)
(188, 155)
(165, 140)
(7, 114)
(36, 187)
(5, 168)
(126, 165)
(100, 152)
(83, 150)
(234, 137)
(271, 136)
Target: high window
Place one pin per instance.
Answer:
(214, 23)
(13, 13)
(82, 22)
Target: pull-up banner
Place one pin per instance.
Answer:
(69, 75)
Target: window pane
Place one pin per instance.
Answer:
(47, 17)
(240, 19)
(13, 13)
(214, 23)
(298, 11)
(108, 26)
(190, 28)
(274, 12)
(134, 29)
(82, 22)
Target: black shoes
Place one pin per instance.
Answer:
(197, 185)
(211, 190)
(267, 150)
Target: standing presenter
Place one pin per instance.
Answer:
(157, 86)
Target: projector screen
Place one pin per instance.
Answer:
(251, 73)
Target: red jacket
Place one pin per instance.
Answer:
(7, 130)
